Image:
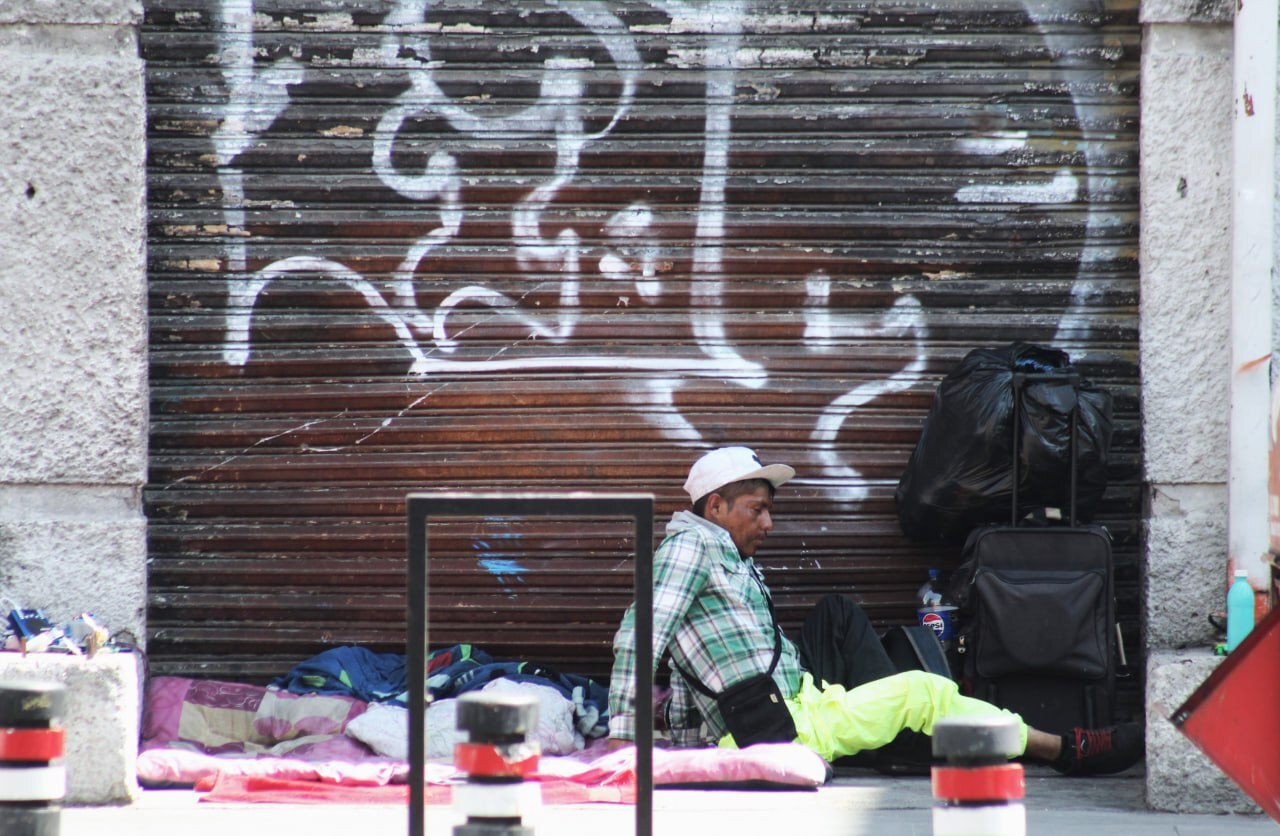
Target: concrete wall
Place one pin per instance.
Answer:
(73, 334)
(1185, 254)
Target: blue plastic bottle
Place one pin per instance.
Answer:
(1239, 610)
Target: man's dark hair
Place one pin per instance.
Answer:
(732, 491)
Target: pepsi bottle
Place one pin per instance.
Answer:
(935, 610)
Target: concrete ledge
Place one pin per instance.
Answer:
(1185, 11)
(80, 12)
(1181, 778)
(102, 716)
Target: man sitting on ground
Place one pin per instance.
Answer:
(712, 611)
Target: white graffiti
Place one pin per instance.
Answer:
(557, 113)
(244, 294)
(631, 261)
(903, 320)
(255, 99)
(1063, 188)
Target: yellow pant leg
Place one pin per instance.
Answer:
(835, 722)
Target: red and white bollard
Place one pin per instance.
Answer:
(496, 757)
(977, 791)
(33, 780)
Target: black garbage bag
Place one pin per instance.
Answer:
(960, 475)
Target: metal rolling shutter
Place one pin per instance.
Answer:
(522, 246)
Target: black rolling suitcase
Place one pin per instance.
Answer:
(1039, 612)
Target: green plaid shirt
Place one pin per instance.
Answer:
(710, 612)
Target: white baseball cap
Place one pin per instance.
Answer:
(731, 464)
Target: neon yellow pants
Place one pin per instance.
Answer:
(834, 722)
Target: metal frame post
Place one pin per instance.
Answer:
(421, 508)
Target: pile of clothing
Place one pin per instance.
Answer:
(573, 709)
(30, 630)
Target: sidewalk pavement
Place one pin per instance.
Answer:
(855, 803)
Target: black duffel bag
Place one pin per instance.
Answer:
(960, 475)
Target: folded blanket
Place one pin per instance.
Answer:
(232, 718)
(196, 730)
(778, 765)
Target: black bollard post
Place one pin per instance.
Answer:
(496, 758)
(977, 791)
(33, 780)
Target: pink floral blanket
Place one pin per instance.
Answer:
(196, 731)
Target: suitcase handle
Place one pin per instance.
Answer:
(1020, 381)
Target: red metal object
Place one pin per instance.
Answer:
(1003, 782)
(487, 760)
(1232, 716)
(32, 744)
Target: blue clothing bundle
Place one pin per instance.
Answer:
(383, 677)
(350, 672)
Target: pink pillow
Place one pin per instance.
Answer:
(784, 764)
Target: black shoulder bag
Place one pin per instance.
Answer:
(753, 709)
